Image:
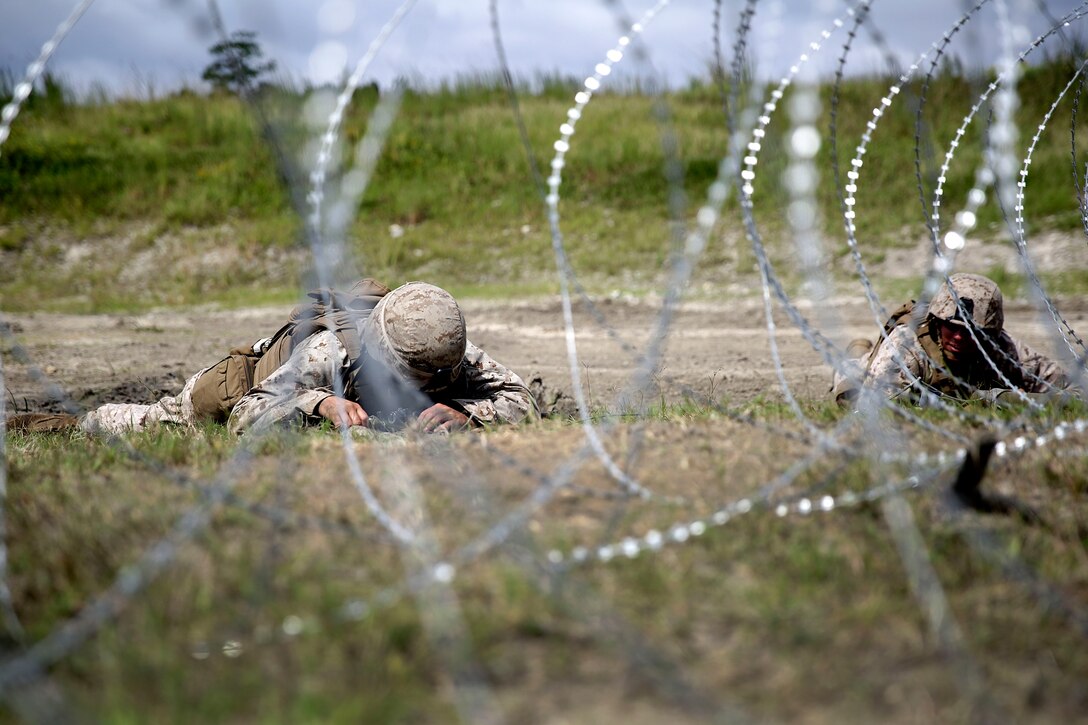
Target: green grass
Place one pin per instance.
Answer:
(122, 206)
(783, 618)
(120, 177)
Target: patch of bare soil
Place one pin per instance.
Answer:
(718, 349)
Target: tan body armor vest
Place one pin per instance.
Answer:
(220, 388)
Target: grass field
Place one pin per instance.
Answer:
(799, 617)
(185, 190)
(289, 602)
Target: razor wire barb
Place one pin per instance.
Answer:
(431, 571)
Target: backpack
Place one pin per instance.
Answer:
(221, 386)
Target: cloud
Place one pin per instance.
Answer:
(165, 42)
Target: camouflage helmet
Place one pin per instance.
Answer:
(980, 297)
(419, 332)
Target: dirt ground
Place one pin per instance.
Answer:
(716, 348)
(767, 609)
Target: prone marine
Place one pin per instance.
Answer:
(959, 350)
(369, 357)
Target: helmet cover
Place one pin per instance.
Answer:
(980, 298)
(418, 331)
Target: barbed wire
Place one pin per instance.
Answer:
(1081, 192)
(34, 71)
(429, 572)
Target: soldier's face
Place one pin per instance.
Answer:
(957, 343)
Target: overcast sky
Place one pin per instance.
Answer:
(131, 46)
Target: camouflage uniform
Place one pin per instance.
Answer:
(909, 358)
(414, 354)
(487, 391)
(1032, 373)
(121, 417)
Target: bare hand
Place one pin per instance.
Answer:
(442, 418)
(342, 412)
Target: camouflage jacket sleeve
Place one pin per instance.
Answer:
(896, 363)
(1040, 372)
(492, 393)
(295, 389)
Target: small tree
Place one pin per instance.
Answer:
(237, 63)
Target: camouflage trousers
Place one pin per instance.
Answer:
(846, 382)
(124, 417)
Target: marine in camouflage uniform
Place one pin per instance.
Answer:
(121, 417)
(941, 355)
(411, 362)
